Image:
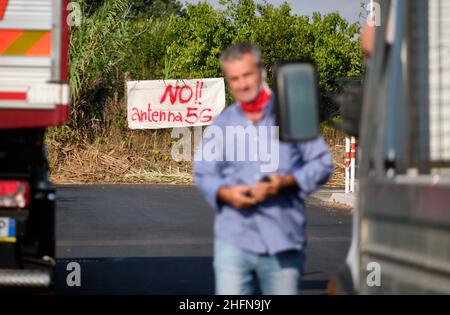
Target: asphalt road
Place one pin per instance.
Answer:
(155, 239)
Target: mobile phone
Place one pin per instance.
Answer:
(248, 193)
(265, 179)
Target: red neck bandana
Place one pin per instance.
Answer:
(259, 103)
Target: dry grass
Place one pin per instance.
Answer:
(135, 160)
(138, 157)
(338, 151)
(88, 163)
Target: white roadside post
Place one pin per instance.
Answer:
(352, 163)
(348, 197)
(347, 165)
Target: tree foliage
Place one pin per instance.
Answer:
(160, 39)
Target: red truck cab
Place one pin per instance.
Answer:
(34, 94)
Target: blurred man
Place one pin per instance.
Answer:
(260, 222)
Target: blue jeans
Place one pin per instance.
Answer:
(237, 270)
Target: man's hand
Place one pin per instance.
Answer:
(265, 190)
(237, 196)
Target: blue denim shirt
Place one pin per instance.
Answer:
(278, 223)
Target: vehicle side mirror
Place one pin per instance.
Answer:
(296, 101)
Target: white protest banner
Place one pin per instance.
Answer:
(156, 104)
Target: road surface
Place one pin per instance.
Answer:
(157, 239)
